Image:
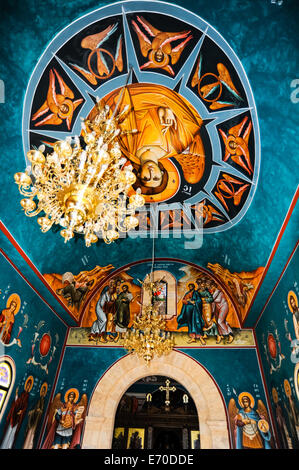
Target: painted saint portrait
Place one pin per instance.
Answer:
(66, 421)
(250, 426)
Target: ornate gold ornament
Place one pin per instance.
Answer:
(83, 188)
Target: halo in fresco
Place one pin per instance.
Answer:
(246, 394)
(184, 83)
(14, 298)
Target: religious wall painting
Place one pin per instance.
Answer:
(110, 311)
(119, 440)
(296, 379)
(16, 414)
(73, 290)
(7, 378)
(32, 348)
(34, 419)
(249, 422)
(66, 420)
(195, 439)
(97, 53)
(203, 309)
(164, 290)
(277, 334)
(285, 413)
(59, 101)
(10, 327)
(180, 79)
(113, 310)
(215, 80)
(272, 348)
(242, 285)
(159, 50)
(292, 334)
(43, 347)
(291, 409)
(282, 427)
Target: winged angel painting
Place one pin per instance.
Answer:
(250, 427)
(66, 421)
(156, 45)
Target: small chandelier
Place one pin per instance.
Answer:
(83, 188)
(147, 336)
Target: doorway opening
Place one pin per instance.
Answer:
(156, 412)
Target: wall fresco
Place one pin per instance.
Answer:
(277, 335)
(31, 340)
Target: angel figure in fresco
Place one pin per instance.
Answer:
(236, 147)
(156, 45)
(66, 421)
(215, 85)
(251, 428)
(60, 105)
(97, 65)
(16, 415)
(166, 126)
(7, 317)
(34, 418)
(220, 310)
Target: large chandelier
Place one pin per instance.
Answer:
(83, 186)
(147, 336)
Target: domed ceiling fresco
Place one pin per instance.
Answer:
(209, 93)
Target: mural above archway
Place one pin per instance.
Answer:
(110, 304)
(183, 81)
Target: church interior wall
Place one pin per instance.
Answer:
(32, 339)
(47, 343)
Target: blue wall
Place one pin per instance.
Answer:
(218, 362)
(34, 317)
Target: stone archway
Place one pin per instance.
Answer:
(213, 424)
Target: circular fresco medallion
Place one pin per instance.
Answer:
(196, 147)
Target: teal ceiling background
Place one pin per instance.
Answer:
(263, 35)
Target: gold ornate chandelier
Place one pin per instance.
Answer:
(147, 336)
(83, 189)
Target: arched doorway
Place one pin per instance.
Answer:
(156, 412)
(213, 425)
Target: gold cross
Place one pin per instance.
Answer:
(167, 389)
